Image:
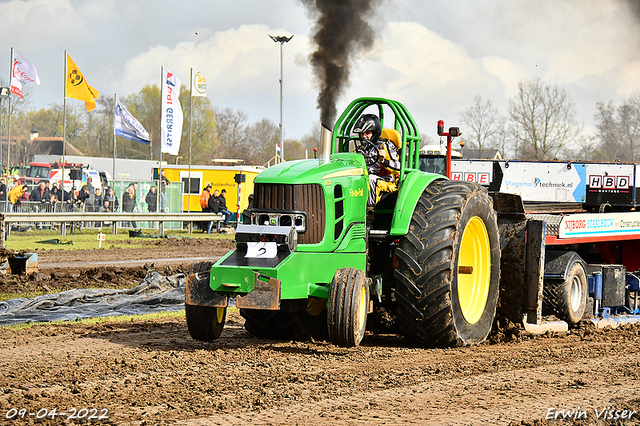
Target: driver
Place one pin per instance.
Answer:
(381, 156)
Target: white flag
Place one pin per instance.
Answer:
(199, 85)
(171, 120)
(22, 72)
(127, 126)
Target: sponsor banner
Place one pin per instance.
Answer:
(610, 183)
(599, 225)
(472, 171)
(127, 126)
(171, 120)
(199, 84)
(544, 181)
(22, 72)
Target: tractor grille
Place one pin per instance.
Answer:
(308, 198)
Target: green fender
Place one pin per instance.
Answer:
(410, 191)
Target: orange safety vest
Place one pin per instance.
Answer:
(204, 199)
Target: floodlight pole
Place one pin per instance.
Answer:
(282, 40)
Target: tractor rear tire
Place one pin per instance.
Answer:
(347, 309)
(567, 299)
(449, 267)
(205, 323)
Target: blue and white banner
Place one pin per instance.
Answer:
(127, 126)
(171, 119)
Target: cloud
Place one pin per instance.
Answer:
(236, 62)
(627, 78)
(423, 59)
(508, 72)
(103, 10)
(430, 74)
(41, 23)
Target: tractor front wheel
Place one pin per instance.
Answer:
(449, 267)
(204, 322)
(348, 305)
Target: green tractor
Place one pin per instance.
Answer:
(312, 261)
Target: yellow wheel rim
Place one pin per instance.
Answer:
(220, 314)
(474, 270)
(362, 312)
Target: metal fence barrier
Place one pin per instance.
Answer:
(76, 220)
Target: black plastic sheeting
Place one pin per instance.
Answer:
(156, 293)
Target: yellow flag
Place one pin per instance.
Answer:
(77, 86)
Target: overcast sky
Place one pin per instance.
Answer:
(432, 55)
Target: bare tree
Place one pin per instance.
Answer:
(544, 119)
(230, 134)
(482, 120)
(619, 128)
(585, 148)
(262, 138)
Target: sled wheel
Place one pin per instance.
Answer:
(449, 267)
(204, 322)
(348, 303)
(567, 299)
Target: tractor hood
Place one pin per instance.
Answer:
(312, 171)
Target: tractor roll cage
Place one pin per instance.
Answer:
(402, 122)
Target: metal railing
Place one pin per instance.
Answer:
(77, 219)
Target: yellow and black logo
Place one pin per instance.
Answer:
(75, 77)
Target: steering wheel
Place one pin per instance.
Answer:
(367, 149)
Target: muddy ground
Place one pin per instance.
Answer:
(113, 267)
(153, 373)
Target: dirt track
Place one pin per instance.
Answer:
(152, 372)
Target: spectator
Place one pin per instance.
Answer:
(83, 197)
(204, 197)
(97, 203)
(214, 207)
(135, 192)
(38, 196)
(152, 202)
(112, 199)
(15, 196)
(55, 191)
(152, 199)
(53, 201)
(3, 194)
(97, 200)
(222, 206)
(90, 203)
(204, 203)
(106, 207)
(129, 204)
(66, 196)
(164, 181)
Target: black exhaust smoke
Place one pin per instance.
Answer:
(340, 33)
(635, 7)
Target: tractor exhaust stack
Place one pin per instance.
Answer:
(325, 144)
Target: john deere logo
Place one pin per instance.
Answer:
(75, 78)
(273, 221)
